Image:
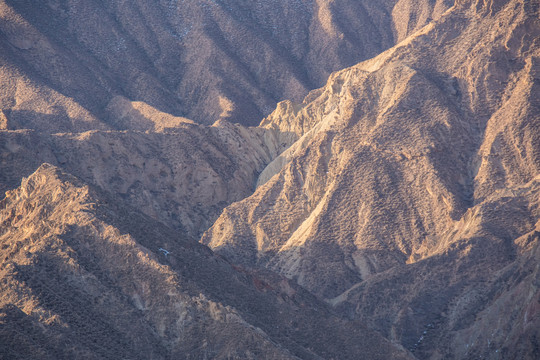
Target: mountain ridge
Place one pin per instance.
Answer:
(201, 60)
(393, 213)
(185, 301)
(393, 154)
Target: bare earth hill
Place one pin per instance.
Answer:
(393, 213)
(83, 277)
(417, 169)
(183, 178)
(67, 60)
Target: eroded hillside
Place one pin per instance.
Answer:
(67, 60)
(396, 156)
(183, 177)
(393, 213)
(84, 276)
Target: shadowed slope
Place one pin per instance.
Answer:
(204, 60)
(103, 280)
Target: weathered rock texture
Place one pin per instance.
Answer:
(85, 277)
(67, 61)
(183, 177)
(395, 207)
(396, 159)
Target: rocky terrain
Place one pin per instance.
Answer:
(182, 177)
(412, 182)
(393, 213)
(67, 61)
(83, 276)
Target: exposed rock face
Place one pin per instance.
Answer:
(476, 297)
(83, 276)
(392, 214)
(395, 156)
(183, 177)
(68, 60)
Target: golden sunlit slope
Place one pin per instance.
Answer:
(393, 155)
(403, 194)
(84, 276)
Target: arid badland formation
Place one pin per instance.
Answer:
(270, 179)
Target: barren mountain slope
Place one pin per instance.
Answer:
(393, 156)
(404, 193)
(183, 176)
(83, 276)
(476, 297)
(201, 59)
